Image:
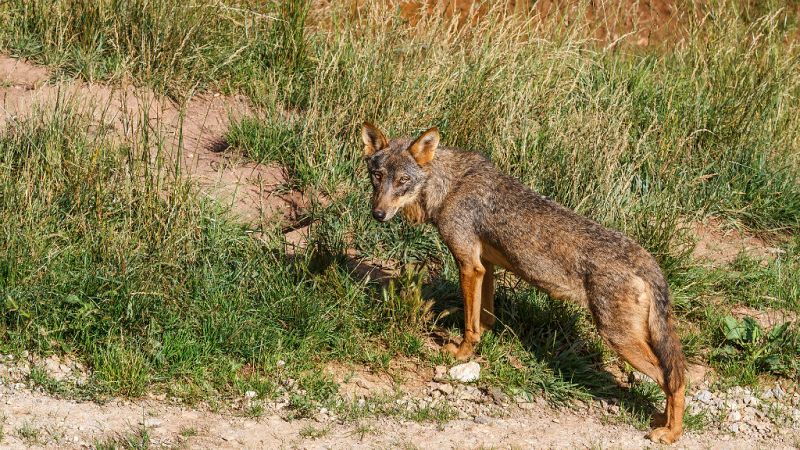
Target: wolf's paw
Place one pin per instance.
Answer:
(461, 352)
(663, 435)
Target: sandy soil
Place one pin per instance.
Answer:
(70, 424)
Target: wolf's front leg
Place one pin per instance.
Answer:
(471, 284)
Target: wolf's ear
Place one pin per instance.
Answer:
(425, 146)
(374, 140)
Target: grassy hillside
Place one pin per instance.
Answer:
(100, 258)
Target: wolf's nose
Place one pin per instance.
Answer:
(378, 214)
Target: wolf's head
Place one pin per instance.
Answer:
(397, 168)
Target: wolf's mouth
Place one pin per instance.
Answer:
(383, 215)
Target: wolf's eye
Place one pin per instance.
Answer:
(404, 179)
(377, 176)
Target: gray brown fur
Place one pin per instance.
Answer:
(487, 218)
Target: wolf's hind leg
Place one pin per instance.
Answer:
(641, 356)
(632, 338)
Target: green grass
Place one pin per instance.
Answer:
(29, 434)
(101, 256)
(175, 47)
(136, 439)
(311, 432)
(188, 432)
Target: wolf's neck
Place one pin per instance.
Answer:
(440, 182)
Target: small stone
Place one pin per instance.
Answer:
(362, 403)
(281, 363)
(443, 388)
(750, 400)
(556, 421)
(733, 428)
(735, 416)
(527, 405)
(704, 396)
(465, 373)
(778, 392)
(497, 394)
(250, 395)
(439, 373)
(733, 405)
(323, 410)
(767, 394)
(482, 420)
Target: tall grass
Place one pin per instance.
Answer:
(147, 285)
(172, 46)
(150, 287)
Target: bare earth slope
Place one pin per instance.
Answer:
(203, 121)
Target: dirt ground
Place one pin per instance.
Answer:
(250, 189)
(70, 424)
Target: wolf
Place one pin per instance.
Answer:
(488, 219)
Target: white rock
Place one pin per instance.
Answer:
(704, 396)
(733, 428)
(280, 363)
(466, 373)
(735, 416)
(250, 394)
(750, 400)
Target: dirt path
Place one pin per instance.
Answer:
(68, 424)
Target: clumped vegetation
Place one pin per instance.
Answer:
(103, 258)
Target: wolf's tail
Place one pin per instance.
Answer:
(664, 339)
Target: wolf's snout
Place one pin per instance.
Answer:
(379, 214)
